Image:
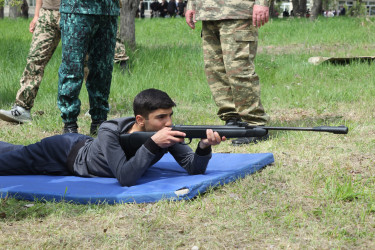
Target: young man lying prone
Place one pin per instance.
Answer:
(81, 155)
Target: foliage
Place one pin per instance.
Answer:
(358, 9)
(13, 3)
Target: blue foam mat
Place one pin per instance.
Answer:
(164, 180)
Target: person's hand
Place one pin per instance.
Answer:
(165, 137)
(190, 18)
(32, 24)
(213, 138)
(260, 15)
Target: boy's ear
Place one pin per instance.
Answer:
(140, 120)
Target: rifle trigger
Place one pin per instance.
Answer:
(189, 141)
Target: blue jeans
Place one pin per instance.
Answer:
(47, 157)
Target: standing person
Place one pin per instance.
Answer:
(104, 156)
(181, 8)
(87, 27)
(155, 6)
(172, 8)
(46, 37)
(230, 35)
(163, 8)
(141, 9)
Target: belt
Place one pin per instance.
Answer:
(73, 155)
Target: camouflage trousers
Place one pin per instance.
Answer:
(229, 48)
(120, 52)
(94, 35)
(46, 38)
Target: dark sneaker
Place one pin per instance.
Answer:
(71, 127)
(94, 127)
(16, 114)
(248, 140)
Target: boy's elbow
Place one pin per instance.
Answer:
(126, 183)
(197, 171)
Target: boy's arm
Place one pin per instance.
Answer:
(127, 172)
(193, 162)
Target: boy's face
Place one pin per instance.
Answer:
(158, 119)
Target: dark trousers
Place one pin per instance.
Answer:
(47, 157)
(94, 35)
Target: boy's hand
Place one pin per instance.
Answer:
(213, 138)
(165, 137)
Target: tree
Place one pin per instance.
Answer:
(299, 8)
(25, 9)
(2, 2)
(316, 9)
(127, 22)
(18, 8)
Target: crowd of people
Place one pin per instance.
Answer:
(325, 13)
(163, 9)
(332, 13)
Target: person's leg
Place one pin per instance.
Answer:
(215, 70)
(45, 39)
(120, 54)
(239, 44)
(47, 157)
(100, 63)
(76, 30)
(6, 147)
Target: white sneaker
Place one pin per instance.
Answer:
(16, 114)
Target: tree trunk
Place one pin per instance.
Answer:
(25, 9)
(316, 9)
(272, 8)
(299, 8)
(2, 12)
(127, 22)
(14, 8)
(302, 8)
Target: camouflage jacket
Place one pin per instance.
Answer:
(209, 10)
(91, 7)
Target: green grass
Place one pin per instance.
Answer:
(319, 193)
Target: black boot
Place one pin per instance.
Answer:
(71, 127)
(94, 127)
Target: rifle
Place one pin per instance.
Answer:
(132, 142)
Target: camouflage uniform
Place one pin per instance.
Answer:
(229, 47)
(120, 53)
(46, 38)
(87, 27)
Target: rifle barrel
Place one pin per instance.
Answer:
(329, 129)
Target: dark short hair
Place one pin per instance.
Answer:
(150, 100)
